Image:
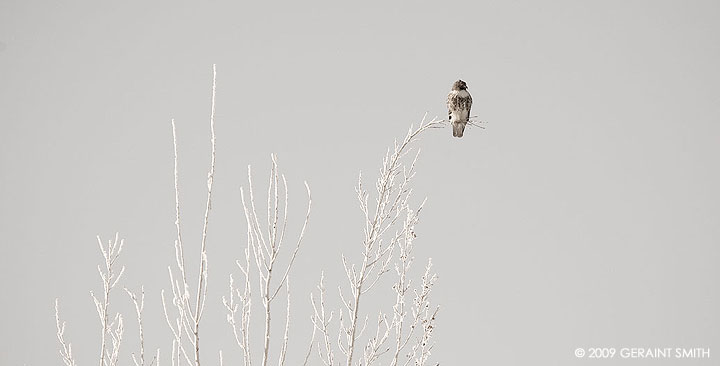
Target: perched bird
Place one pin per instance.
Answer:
(459, 102)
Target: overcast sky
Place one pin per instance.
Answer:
(587, 214)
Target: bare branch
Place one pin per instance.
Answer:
(186, 325)
(266, 252)
(393, 193)
(65, 347)
(139, 306)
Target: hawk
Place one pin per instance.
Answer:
(459, 102)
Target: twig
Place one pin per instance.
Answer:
(139, 306)
(187, 322)
(425, 316)
(392, 197)
(264, 244)
(109, 280)
(321, 322)
(65, 347)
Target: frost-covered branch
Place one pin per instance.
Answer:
(321, 322)
(109, 349)
(65, 347)
(401, 287)
(424, 315)
(185, 326)
(139, 307)
(265, 241)
(393, 192)
(109, 279)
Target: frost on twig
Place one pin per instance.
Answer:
(185, 325)
(109, 279)
(321, 322)
(65, 347)
(111, 329)
(265, 241)
(389, 224)
(139, 307)
(424, 316)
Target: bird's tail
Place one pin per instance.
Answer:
(458, 129)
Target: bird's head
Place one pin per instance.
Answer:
(459, 85)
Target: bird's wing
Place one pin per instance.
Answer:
(451, 98)
(459, 104)
(469, 104)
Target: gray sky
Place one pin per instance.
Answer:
(586, 215)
